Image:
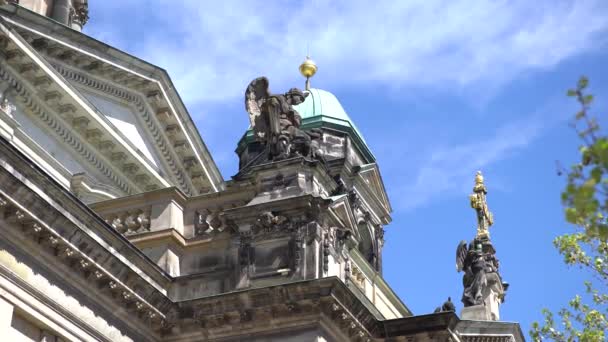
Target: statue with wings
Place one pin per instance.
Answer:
(471, 261)
(480, 266)
(275, 122)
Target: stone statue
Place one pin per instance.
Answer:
(471, 261)
(274, 121)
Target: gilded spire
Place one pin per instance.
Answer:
(308, 68)
(478, 202)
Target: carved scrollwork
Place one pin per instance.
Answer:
(200, 223)
(347, 269)
(80, 12)
(326, 253)
(170, 320)
(269, 225)
(117, 224)
(246, 256)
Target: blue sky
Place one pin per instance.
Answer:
(439, 89)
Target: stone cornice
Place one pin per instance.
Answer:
(262, 310)
(166, 194)
(377, 279)
(173, 238)
(300, 205)
(40, 231)
(29, 189)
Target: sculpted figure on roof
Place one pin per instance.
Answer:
(275, 122)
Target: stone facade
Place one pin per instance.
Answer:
(115, 224)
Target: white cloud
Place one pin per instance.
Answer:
(213, 50)
(449, 169)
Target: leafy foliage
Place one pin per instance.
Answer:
(586, 204)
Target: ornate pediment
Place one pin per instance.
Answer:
(129, 126)
(344, 215)
(368, 178)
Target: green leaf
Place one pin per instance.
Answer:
(585, 200)
(596, 174)
(581, 114)
(571, 215)
(583, 82)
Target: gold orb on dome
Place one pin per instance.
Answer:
(308, 68)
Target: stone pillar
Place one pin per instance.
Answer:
(6, 317)
(47, 336)
(80, 14)
(61, 11)
(167, 215)
(492, 298)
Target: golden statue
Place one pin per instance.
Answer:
(478, 202)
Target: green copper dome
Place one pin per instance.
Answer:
(322, 109)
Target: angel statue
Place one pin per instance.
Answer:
(472, 262)
(275, 122)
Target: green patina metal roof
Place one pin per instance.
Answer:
(322, 109)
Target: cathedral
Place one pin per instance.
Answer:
(116, 224)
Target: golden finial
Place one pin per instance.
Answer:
(308, 68)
